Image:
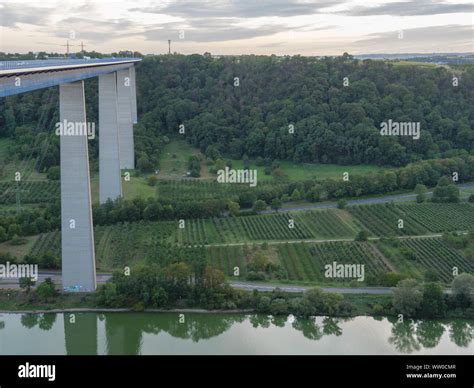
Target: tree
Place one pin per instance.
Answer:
(259, 205)
(279, 306)
(445, 191)
(233, 207)
(246, 161)
(296, 195)
(46, 290)
(26, 283)
(420, 191)
(341, 204)
(53, 173)
(3, 234)
(433, 304)
(314, 194)
(407, 297)
(213, 277)
(363, 235)
(463, 288)
(144, 164)
(276, 204)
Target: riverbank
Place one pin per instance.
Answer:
(374, 305)
(13, 301)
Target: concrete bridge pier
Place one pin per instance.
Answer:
(125, 126)
(134, 95)
(77, 238)
(110, 181)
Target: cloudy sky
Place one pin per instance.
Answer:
(306, 27)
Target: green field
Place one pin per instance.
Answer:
(137, 187)
(305, 261)
(315, 224)
(416, 256)
(194, 189)
(9, 166)
(228, 239)
(174, 160)
(305, 171)
(30, 192)
(418, 219)
(413, 63)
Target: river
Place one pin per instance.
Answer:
(192, 333)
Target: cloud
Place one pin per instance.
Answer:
(219, 30)
(216, 31)
(411, 8)
(93, 30)
(13, 14)
(240, 8)
(454, 36)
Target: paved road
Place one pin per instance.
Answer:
(287, 288)
(364, 201)
(248, 286)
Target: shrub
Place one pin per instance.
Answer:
(152, 180)
(363, 235)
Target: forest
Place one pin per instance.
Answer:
(303, 109)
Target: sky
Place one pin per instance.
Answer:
(225, 27)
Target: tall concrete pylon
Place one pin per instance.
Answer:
(134, 95)
(124, 100)
(77, 237)
(110, 181)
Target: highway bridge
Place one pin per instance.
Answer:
(117, 114)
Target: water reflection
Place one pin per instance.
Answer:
(124, 333)
(461, 333)
(43, 321)
(80, 331)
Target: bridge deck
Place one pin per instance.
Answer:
(19, 66)
(24, 76)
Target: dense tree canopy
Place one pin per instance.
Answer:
(303, 109)
(298, 108)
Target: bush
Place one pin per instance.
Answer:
(263, 304)
(46, 290)
(259, 205)
(363, 235)
(16, 240)
(253, 275)
(433, 304)
(391, 279)
(341, 204)
(53, 173)
(463, 287)
(3, 234)
(152, 180)
(378, 309)
(279, 306)
(407, 297)
(276, 204)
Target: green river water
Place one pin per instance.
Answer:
(192, 333)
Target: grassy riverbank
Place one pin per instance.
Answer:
(20, 301)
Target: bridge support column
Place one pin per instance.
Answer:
(134, 95)
(124, 103)
(77, 238)
(110, 181)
